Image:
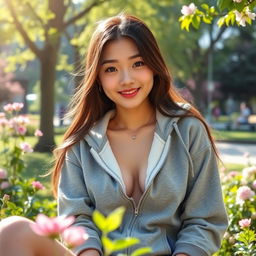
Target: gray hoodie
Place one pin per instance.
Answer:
(181, 209)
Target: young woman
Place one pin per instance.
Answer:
(135, 142)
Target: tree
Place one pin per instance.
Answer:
(41, 25)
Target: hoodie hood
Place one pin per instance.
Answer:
(97, 138)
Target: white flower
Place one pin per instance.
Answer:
(242, 17)
(237, 1)
(188, 10)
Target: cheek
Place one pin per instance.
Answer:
(147, 77)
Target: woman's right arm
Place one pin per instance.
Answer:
(74, 200)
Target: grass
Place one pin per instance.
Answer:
(243, 136)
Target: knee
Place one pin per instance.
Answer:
(14, 226)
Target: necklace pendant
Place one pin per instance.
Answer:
(134, 137)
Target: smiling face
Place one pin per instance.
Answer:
(124, 76)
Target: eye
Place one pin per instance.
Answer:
(110, 69)
(138, 64)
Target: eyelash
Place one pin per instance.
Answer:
(136, 65)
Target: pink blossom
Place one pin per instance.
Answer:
(20, 120)
(3, 174)
(51, 227)
(25, 147)
(254, 184)
(4, 122)
(244, 223)
(37, 185)
(21, 130)
(188, 10)
(244, 193)
(38, 133)
(6, 198)
(4, 185)
(74, 236)
(248, 171)
(242, 17)
(8, 108)
(2, 115)
(17, 106)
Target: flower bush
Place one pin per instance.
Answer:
(18, 196)
(239, 196)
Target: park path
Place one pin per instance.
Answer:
(234, 152)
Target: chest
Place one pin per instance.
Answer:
(132, 157)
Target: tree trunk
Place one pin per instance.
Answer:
(46, 143)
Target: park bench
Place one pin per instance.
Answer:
(250, 126)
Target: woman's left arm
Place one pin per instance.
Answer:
(204, 218)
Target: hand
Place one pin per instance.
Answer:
(90, 252)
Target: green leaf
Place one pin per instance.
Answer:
(224, 4)
(121, 244)
(141, 251)
(207, 19)
(196, 20)
(221, 21)
(108, 245)
(205, 6)
(114, 219)
(100, 220)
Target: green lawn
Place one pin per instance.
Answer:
(245, 136)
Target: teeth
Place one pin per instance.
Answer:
(129, 92)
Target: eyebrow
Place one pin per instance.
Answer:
(115, 60)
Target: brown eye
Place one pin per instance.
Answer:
(138, 64)
(110, 69)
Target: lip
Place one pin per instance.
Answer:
(129, 93)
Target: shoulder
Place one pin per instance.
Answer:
(194, 133)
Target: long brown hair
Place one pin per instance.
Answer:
(89, 104)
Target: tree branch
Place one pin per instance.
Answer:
(22, 31)
(81, 14)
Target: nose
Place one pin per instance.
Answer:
(126, 77)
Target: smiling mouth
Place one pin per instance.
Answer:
(130, 92)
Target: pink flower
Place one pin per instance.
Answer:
(74, 236)
(3, 174)
(8, 108)
(244, 223)
(51, 227)
(6, 198)
(244, 193)
(37, 185)
(17, 106)
(188, 10)
(4, 122)
(38, 133)
(21, 130)
(254, 184)
(242, 17)
(2, 115)
(25, 147)
(4, 185)
(248, 171)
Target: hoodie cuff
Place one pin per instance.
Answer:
(189, 249)
(91, 243)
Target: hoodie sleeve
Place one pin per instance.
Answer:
(73, 199)
(204, 218)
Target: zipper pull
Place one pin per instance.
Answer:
(136, 211)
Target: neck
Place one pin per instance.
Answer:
(133, 119)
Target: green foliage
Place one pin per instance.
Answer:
(19, 195)
(111, 223)
(226, 12)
